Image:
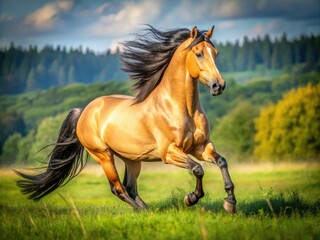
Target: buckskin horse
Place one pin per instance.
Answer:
(164, 121)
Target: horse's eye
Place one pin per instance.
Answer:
(199, 54)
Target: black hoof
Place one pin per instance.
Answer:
(190, 199)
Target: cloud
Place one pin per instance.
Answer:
(289, 9)
(196, 10)
(109, 21)
(47, 17)
(101, 9)
(265, 28)
(124, 21)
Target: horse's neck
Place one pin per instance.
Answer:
(179, 88)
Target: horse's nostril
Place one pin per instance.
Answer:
(215, 85)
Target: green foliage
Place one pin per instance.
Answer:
(291, 128)
(234, 136)
(10, 149)
(11, 122)
(47, 133)
(23, 150)
(257, 54)
(38, 105)
(16, 149)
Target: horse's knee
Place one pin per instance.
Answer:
(222, 162)
(197, 170)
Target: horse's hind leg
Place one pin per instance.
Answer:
(131, 175)
(106, 160)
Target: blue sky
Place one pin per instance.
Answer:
(100, 25)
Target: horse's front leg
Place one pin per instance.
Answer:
(210, 155)
(178, 158)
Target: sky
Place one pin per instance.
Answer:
(100, 25)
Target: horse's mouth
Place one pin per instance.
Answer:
(215, 91)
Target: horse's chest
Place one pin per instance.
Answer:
(190, 138)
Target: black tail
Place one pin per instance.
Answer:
(66, 162)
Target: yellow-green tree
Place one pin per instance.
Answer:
(290, 129)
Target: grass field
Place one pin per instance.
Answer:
(274, 202)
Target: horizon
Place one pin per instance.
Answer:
(84, 50)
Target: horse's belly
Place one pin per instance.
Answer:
(132, 147)
(128, 137)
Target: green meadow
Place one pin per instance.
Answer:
(275, 201)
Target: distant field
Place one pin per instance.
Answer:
(86, 209)
(247, 76)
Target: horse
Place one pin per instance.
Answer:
(163, 122)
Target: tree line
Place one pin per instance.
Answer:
(259, 54)
(30, 69)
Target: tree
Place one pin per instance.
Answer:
(11, 122)
(24, 145)
(266, 51)
(10, 149)
(290, 129)
(235, 133)
(31, 81)
(47, 133)
(71, 77)
(276, 57)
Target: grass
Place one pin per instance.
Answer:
(274, 202)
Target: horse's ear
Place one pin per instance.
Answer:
(194, 32)
(210, 32)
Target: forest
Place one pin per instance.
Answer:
(31, 69)
(39, 87)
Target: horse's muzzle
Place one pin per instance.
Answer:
(216, 89)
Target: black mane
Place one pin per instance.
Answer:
(147, 57)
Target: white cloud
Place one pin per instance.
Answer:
(46, 17)
(126, 20)
(228, 9)
(265, 28)
(101, 9)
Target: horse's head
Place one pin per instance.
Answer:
(201, 61)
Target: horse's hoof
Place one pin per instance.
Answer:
(190, 199)
(229, 207)
(186, 201)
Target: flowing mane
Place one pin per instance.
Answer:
(147, 57)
